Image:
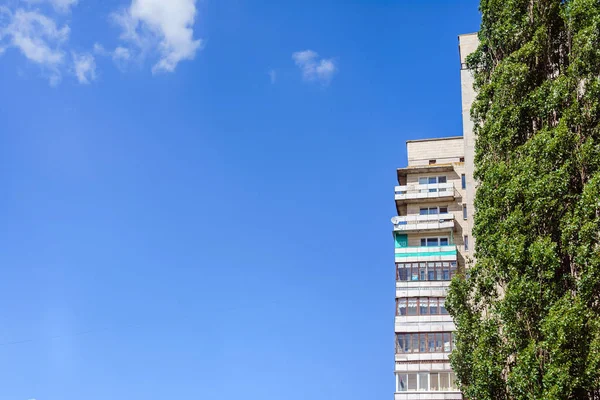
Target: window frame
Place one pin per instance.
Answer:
(411, 271)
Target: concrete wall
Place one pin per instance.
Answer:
(467, 44)
(443, 150)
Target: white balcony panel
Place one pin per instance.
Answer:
(422, 357)
(427, 396)
(423, 192)
(425, 326)
(422, 319)
(416, 223)
(423, 366)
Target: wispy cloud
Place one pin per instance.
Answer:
(62, 6)
(273, 75)
(38, 38)
(163, 27)
(314, 69)
(85, 67)
(121, 57)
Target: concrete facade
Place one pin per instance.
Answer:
(433, 242)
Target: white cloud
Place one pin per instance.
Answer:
(162, 26)
(38, 38)
(314, 69)
(59, 5)
(85, 67)
(273, 75)
(100, 50)
(121, 57)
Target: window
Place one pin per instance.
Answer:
(432, 180)
(461, 159)
(412, 307)
(428, 210)
(402, 344)
(429, 242)
(423, 306)
(433, 306)
(434, 382)
(463, 181)
(412, 381)
(433, 210)
(424, 381)
(426, 271)
(466, 241)
(401, 385)
(420, 306)
(438, 342)
(443, 310)
(415, 342)
(401, 307)
(431, 162)
(447, 342)
(424, 342)
(464, 211)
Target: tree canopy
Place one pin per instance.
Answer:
(527, 311)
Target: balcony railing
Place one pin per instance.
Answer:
(424, 222)
(425, 191)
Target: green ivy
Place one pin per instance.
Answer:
(528, 315)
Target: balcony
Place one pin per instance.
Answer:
(431, 191)
(419, 223)
(425, 253)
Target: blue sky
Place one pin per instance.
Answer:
(196, 195)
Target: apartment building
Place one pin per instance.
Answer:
(432, 243)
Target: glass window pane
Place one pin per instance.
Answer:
(433, 211)
(444, 381)
(423, 242)
(415, 342)
(432, 179)
(402, 273)
(423, 302)
(443, 310)
(447, 342)
(432, 241)
(431, 342)
(402, 307)
(412, 306)
(443, 241)
(438, 342)
(453, 385)
(446, 274)
(424, 211)
(441, 179)
(463, 181)
(443, 210)
(403, 343)
(464, 211)
(422, 343)
(402, 383)
(434, 383)
(423, 181)
(412, 381)
(423, 381)
(430, 274)
(433, 306)
(414, 273)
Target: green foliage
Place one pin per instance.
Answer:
(527, 317)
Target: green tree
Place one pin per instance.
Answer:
(528, 312)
